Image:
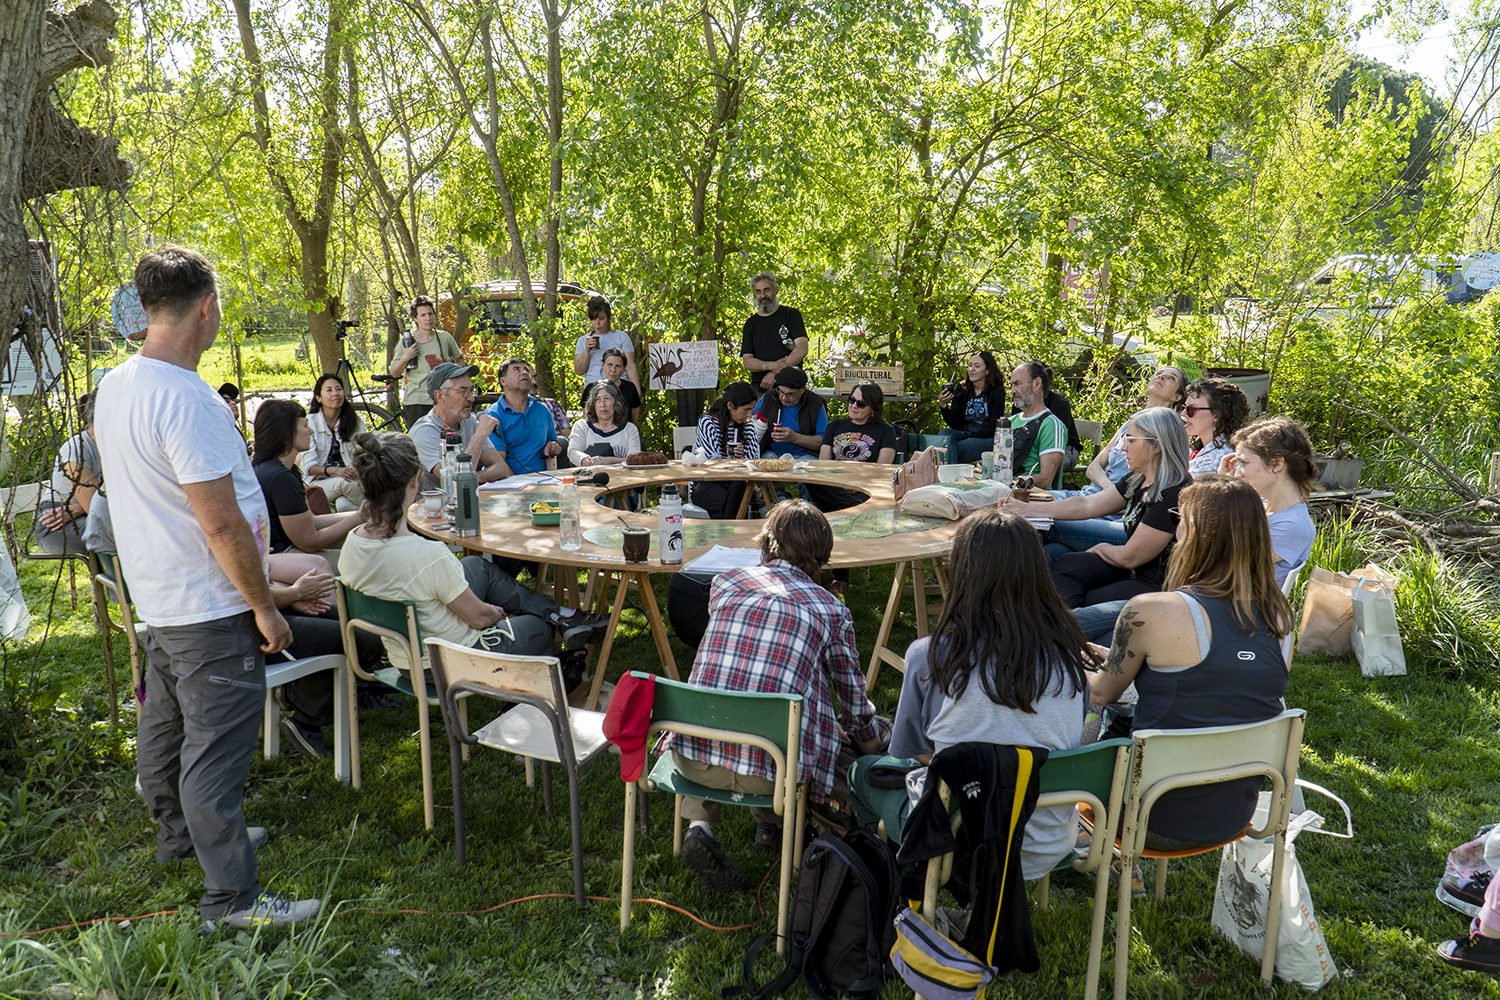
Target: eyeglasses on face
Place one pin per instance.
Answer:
(855, 403)
(1193, 411)
(466, 391)
(1136, 437)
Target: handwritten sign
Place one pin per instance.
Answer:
(692, 364)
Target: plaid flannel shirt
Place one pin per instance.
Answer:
(771, 628)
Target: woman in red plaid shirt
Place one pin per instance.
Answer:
(771, 628)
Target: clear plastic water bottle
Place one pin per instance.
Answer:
(448, 468)
(570, 525)
(1004, 444)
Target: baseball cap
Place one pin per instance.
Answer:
(628, 718)
(444, 370)
(792, 378)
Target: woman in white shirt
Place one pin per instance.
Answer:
(603, 435)
(1275, 456)
(329, 461)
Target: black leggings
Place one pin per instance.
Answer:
(1084, 579)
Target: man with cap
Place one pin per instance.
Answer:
(796, 419)
(452, 389)
(519, 426)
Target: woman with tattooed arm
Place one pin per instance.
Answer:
(1213, 649)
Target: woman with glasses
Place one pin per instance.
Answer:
(603, 435)
(1213, 650)
(862, 436)
(613, 367)
(1214, 411)
(1156, 454)
(1274, 456)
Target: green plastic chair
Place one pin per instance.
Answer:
(1093, 776)
(107, 579)
(396, 621)
(771, 722)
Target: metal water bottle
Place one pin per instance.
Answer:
(670, 533)
(1004, 444)
(569, 524)
(466, 486)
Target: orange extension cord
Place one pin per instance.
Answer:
(449, 913)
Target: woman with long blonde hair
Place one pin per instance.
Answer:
(1213, 649)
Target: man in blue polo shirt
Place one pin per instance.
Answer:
(520, 425)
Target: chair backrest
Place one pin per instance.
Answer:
(683, 438)
(394, 620)
(114, 576)
(770, 721)
(1090, 430)
(20, 499)
(512, 678)
(1177, 758)
(1290, 583)
(1088, 768)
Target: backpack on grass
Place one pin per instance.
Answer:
(843, 921)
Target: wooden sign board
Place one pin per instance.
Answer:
(890, 378)
(692, 364)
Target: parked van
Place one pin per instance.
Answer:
(489, 315)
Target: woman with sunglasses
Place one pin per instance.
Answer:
(1213, 650)
(1156, 453)
(1214, 411)
(862, 436)
(1274, 455)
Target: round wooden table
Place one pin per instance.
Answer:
(872, 533)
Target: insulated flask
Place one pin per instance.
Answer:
(670, 533)
(466, 486)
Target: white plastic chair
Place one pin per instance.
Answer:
(283, 671)
(683, 438)
(1290, 583)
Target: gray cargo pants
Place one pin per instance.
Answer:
(205, 693)
(526, 632)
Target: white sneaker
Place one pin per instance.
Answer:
(268, 908)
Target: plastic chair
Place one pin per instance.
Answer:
(1166, 759)
(683, 438)
(1092, 776)
(771, 722)
(1290, 583)
(284, 671)
(542, 726)
(396, 621)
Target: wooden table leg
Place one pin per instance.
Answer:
(609, 639)
(658, 627)
(739, 515)
(767, 494)
(892, 609)
(919, 591)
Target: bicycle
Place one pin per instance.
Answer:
(377, 418)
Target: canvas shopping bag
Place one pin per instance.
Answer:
(1243, 895)
(952, 500)
(1328, 608)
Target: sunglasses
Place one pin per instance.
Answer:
(857, 404)
(1193, 411)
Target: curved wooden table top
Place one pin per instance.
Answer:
(869, 534)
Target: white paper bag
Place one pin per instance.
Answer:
(952, 500)
(1244, 891)
(1376, 636)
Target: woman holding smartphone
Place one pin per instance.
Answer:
(971, 407)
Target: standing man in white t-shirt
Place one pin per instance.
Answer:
(588, 353)
(191, 530)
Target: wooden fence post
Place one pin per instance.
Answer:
(1494, 489)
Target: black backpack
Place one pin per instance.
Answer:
(842, 924)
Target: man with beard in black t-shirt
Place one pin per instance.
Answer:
(774, 336)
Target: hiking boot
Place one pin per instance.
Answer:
(307, 742)
(705, 858)
(268, 908)
(1476, 953)
(1466, 895)
(768, 837)
(579, 629)
(1137, 880)
(258, 837)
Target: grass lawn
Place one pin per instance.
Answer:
(1416, 757)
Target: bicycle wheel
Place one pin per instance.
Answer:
(378, 418)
